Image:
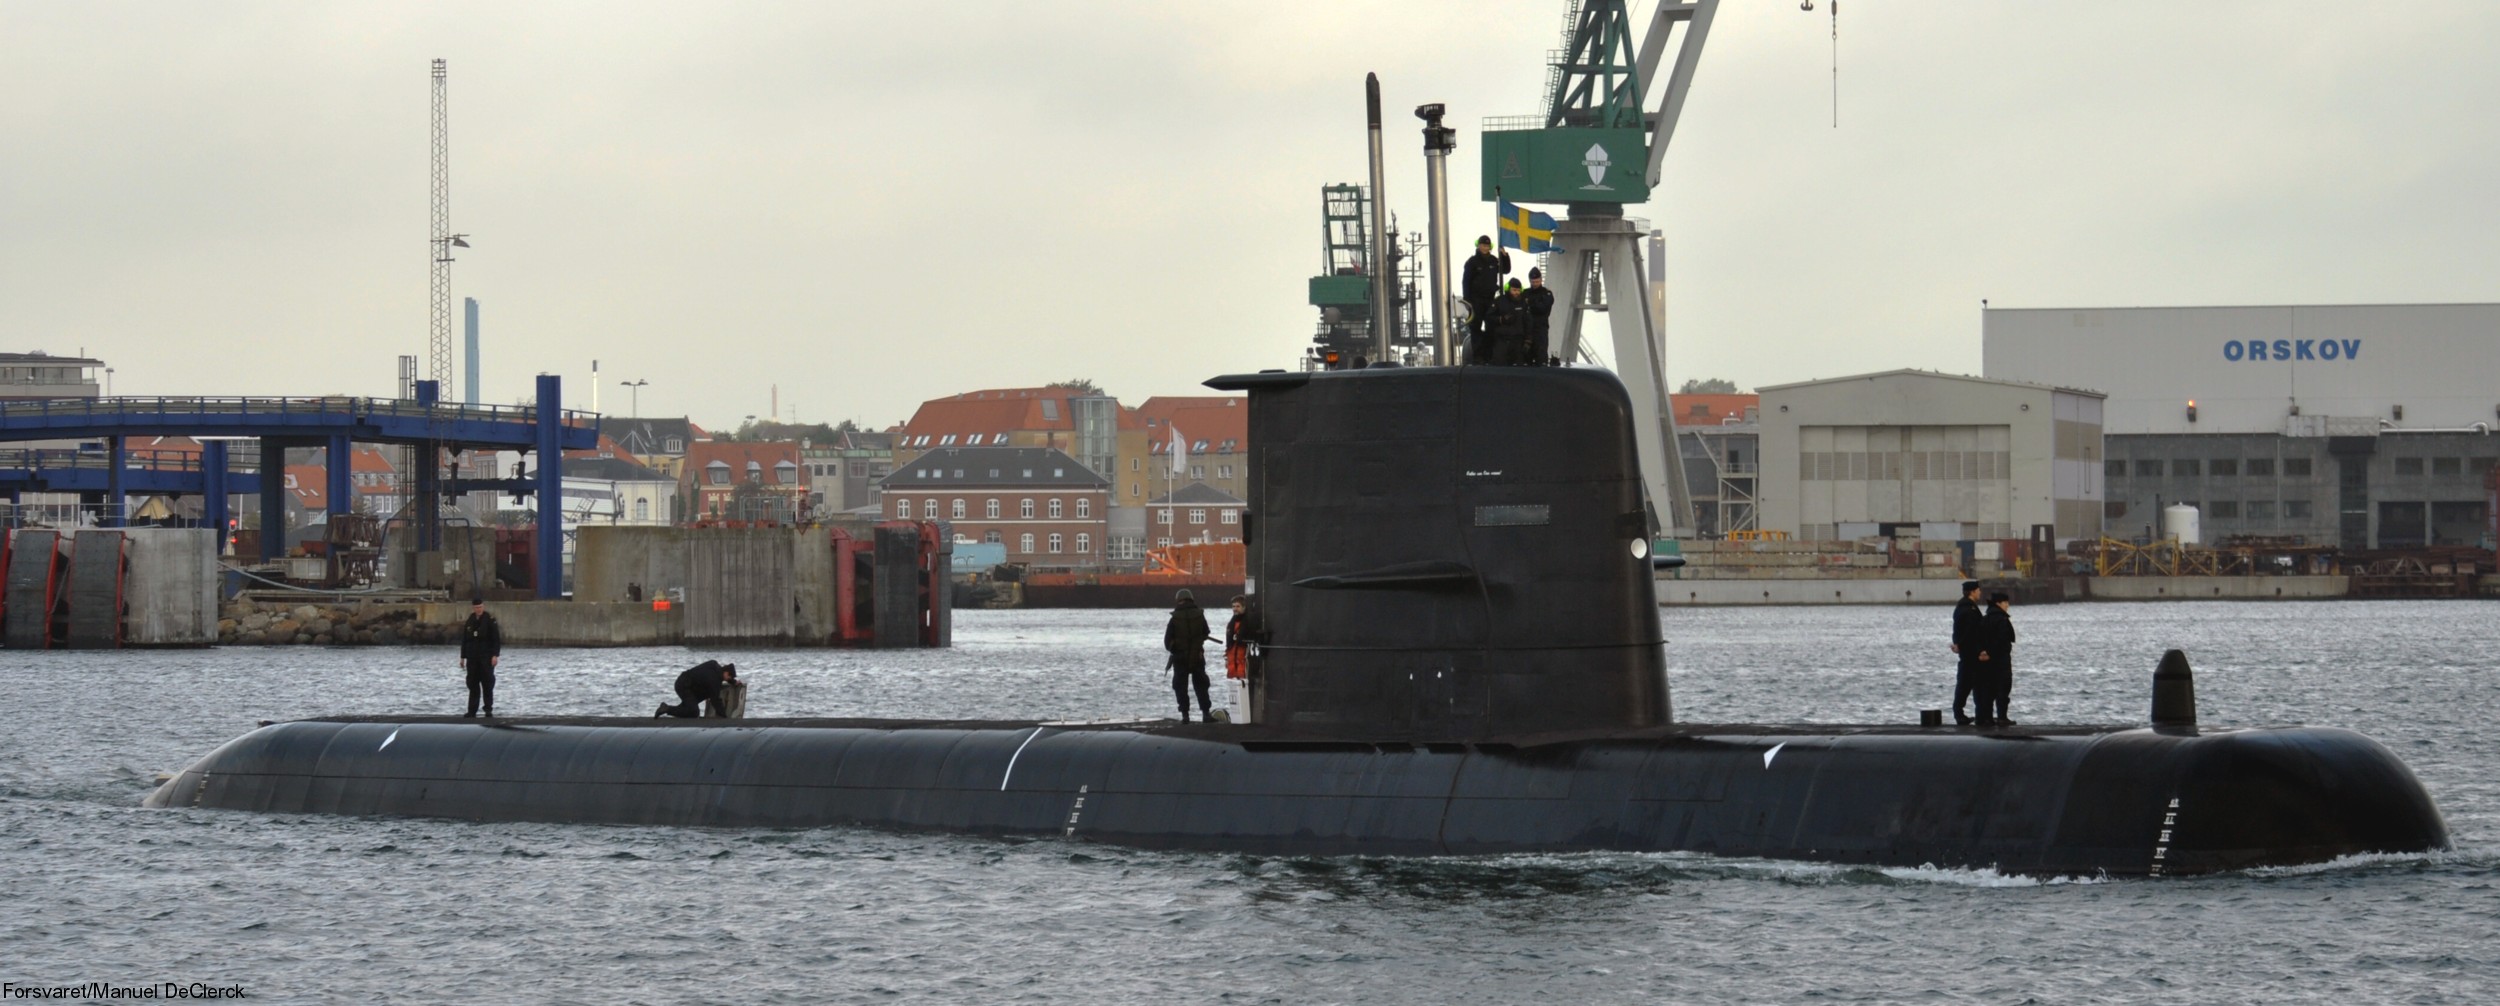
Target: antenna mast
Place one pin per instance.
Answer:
(438, 335)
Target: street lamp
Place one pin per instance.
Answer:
(108, 382)
(637, 386)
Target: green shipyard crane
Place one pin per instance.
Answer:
(1600, 146)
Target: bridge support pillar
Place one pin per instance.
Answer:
(550, 487)
(427, 457)
(213, 499)
(339, 478)
(116, 504)
(272, 498)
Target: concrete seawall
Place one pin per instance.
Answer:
(2212, 588)
(371, 623)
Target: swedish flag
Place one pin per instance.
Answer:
(1526, 230)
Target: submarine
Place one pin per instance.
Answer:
(1461, 654)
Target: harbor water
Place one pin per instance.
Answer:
(307, 909)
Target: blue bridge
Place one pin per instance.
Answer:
(426, 423)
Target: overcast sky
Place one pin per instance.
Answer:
(874, 204)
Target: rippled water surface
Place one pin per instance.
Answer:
(304, 909)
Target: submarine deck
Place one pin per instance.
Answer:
(1256, 733)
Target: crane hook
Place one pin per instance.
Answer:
(1805, 5)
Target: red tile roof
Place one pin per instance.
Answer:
(991, 412)
(1213, 419)
(736, 454)
(1714, 410)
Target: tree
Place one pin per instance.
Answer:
(1084, 384)
(1709, 386)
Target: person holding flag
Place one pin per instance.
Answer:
(1525, 229)
(1479, 284)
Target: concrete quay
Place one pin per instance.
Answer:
(437, 623)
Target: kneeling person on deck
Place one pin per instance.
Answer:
(700, 685)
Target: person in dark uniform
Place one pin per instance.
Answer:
(1506, 329)
(2000, 632)
(1540, 314)
(1969, 650)
(1237, 640)
(481, 648)
(1185, 638)
(1480, 283)
(698, 686)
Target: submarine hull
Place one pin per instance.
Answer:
(2053, 801)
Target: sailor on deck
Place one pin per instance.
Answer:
(698, 686)
(481, 648)
(1185, 638)
(1970, 647)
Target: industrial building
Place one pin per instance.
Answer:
(1915, 453)
(2358, 426)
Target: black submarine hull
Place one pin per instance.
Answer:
(2054, 801)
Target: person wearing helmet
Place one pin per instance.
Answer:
(1185, 639)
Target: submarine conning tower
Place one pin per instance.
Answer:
(1450, 554)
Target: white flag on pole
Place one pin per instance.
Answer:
(1180, 453)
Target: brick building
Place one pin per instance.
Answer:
(745, 481)
(1216, 430)
(1038, 501)
(1195, 514)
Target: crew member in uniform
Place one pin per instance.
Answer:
(1185, 638)
(698, 686)
(1970, 651)
(2000, 633)
(1237, 656)
(1540, 314)
(1480, 283)
(1507, 328)
(481, 648)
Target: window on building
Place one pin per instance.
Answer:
(1232, 516)
(1160, 542)
(677, 445)
(928, 509)
(2113, 469)
(2223, 509)
(992, 537)
(1024, 544)
(1135, 490)
(2408, 466)
(2148, 468)
(1084, 507)
(716, 473)
(1197, 471)
(1084, 543)
(1135, 463)
(1164, 515)
(1055, 513)
(959, 509)
(642, 509)
(2261, 467)
(973, 440)
(2260, 510)
(1025, 509)
(1197, 516)
(902, 509)
(755, 472)
(2113, 509)
(2296, 468)
(2296, 510)
(2447, 466)
(859, 469)
(990, 509)
(1223, 471)
(1054, 544)
(2225, 468)
(2185, 468)
(786, 473)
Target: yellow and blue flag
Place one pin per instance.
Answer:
(1525, 229)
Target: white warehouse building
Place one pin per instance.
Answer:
(1921, 454)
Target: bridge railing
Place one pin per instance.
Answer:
(345, 407)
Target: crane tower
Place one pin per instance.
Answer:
(1598, 147)
(438, 335)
